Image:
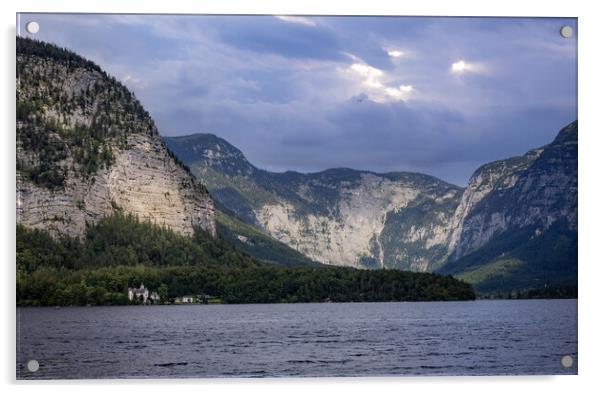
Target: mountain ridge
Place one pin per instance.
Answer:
(203, 136)
(318, 195)
(433, 227)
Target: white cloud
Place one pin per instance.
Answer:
(395, 53)
(459, 66)
(394, 93)
(462, 66)
(371, 75)
(133, 82)
(399, 93)
(374, 80)
(297, 19)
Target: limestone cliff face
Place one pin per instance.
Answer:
(494, 176)
(86, 148)
(535, 190)
(353, 230)
(143, 181)
(339, 216)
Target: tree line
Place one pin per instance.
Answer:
(122, 251)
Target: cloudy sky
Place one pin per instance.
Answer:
(435, 95)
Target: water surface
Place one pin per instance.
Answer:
(275, 340)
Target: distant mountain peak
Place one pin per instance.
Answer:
(211, 151)
(568, 133)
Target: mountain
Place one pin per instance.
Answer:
(513, 227)
(257, 243)
(338, 216)
(103, 205)
(516, 225)
(87, 148)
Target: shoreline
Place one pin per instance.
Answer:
(238, 304)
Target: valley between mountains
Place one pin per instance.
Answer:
(513, 226)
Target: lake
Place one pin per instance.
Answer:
(275, 340)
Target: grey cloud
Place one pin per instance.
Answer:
(275, 90)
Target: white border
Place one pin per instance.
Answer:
(590, 66)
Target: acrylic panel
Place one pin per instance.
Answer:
(279, 196)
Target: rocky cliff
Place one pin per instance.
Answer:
(86, 147)
(494, 177)
(517, 218)
(357, 224)
(537, 189)
(339, 216)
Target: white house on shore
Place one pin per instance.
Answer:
(143, 295)
(186, 299)
(138, 294)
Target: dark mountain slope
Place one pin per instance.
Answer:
(527, 224)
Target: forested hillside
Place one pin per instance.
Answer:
(122, 251)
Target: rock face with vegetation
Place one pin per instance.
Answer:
(86, 148)
(514, 226)
(339, 216)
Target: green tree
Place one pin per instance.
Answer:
(163, 291)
